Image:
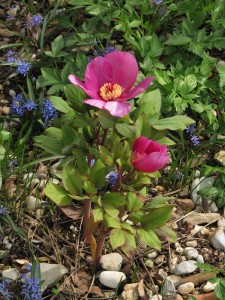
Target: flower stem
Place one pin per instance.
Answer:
(102, 236)
(104, 137)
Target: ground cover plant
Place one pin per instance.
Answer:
(108, 111)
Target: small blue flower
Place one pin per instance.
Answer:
(195, 140)
(30, 105)
(157, 2)
(31, 289)
(23, 67)
(109, 49)
(3, 210)
(11, 57)
(17, 107)
(36, 20)
(49, 112)
(12, 12)
(5, 292)
(190, 129)
(112, 178)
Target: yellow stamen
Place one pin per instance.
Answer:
(111, 91)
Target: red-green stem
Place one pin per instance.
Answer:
(104, 137)
(103, 233)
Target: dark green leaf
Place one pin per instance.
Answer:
(72, 180)
(57, 194)
(149, 238)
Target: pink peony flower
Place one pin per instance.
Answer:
(109, 82)
(147, 155)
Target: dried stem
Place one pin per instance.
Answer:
(87, 213)
(102, 236)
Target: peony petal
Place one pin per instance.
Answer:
(95, 102)
(124, 68)
(117, 109)
(141, 144)
(98, 72)
(153, 147)
(153, 162)
(91, 93)
(137, 90)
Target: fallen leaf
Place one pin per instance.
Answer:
(7, 33)
(208, 296)
(71, 211)
(141, 290)
(96, 290)
(196, 279)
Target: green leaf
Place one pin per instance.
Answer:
(106, 156)
(98, 213)
(7, 219)
(57, 194)
(173, 123)
(126, 130)
(75, 97)
(111, 222)
(220, 289)
(57, 45)
(98, 173)
(178, 40)
(2, 152)
(133, 203)
(72, 180)
(59, 104)
(221, 70)
(106, 120)
(153, 103)
(149, 238)
(89, 188)
(117, 238)
(69, 137)
(157, 202)
(114, 198)
(157, 217)
(110, 209)
(51, 76)
(49, 144)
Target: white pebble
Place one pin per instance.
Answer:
(190, 252)
(186, 288)
(111, 261)
(209, 287)
(111, 279)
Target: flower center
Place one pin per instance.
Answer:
(111, 91)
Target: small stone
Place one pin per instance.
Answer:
(186, 204)
(11, 273)
(130, 292)
(156, 297)
(192, 243)
(42, 184)
(28, 176)
(184, 192)
(178, 297)
(5, 110)
(168, 290)
(200, 259)
(209, 287)
(149, 263)
(185, 267)
(111, 279)
(34, 182)
(111, 261)
(33, 203)
(218, 239)
(174, 278)
(220, 157)
(12, 93)
(39, 213)
(221, 222)
(190, 253)
(152, 254)
(51, 273)
(186, 288)
(161, 274)
(201, 218)
(179, 250)
(160, 259)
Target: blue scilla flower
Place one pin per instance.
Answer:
(49, 112)
(3, 210)
(17, 106)
(31, 289)
(4, 292)
(36, 20)
(30, 105)
(109, 50)
(195, 140)
(112, 178)
(11, 56)
(157, 2)
(190, 129)
(23, 67)
(12, 12)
